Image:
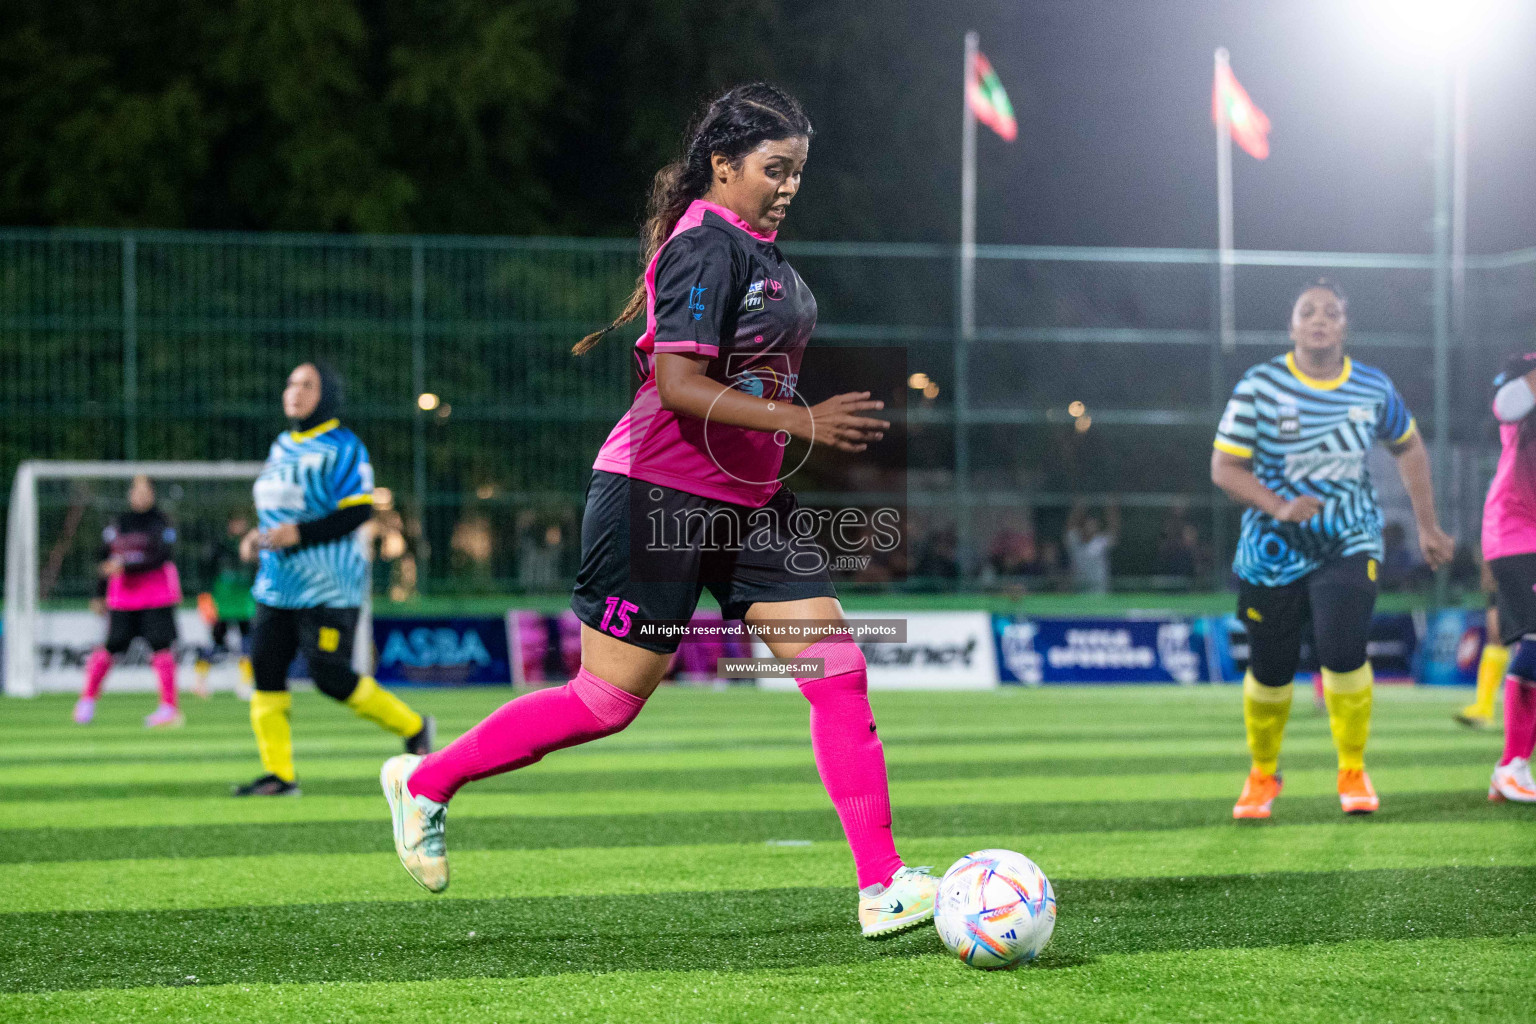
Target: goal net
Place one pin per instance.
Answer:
(53, 541)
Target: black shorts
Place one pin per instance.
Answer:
(1515, 577)
(156, 625)
(648, 552)
(219, 631)
(1337, 600)
(325, 635)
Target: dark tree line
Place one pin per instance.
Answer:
(485, 116)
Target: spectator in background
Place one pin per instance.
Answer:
(1179, 553)
(1088, 544)
(1013, 558)
(937, 557)
(1014, 553)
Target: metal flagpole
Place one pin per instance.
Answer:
(1440, 450)
(1459, 202)
(965, 308)
(1224, 208)
(1458, 253)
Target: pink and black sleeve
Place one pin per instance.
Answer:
(698, 287)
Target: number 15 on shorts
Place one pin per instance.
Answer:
(617, 610)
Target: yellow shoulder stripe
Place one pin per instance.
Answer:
(1413, 426)
(300, 436)
(356, 499)
(1233, 449)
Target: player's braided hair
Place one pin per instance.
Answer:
(733, 125)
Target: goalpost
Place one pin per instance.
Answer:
(24, 651)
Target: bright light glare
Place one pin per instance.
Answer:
(427, 401)
(917, 381)
(1432, 27)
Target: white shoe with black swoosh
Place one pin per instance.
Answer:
(906, 903)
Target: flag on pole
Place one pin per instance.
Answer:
(1249, 126)
(987, 99)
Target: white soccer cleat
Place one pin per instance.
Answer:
(1513, 782)
(419, 825)
(906, 903)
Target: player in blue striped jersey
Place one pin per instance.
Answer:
(1292, 447)
(313, 494)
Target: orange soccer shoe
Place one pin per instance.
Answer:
(1259, 794)
(1355, 793)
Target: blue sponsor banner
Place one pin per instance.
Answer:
(443, 652)
(1151, 650)
(1392, 644)
(1453, 645)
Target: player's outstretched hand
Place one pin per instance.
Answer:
(1437, 545)
(1299, 509)
(250, 546)
(837, 423)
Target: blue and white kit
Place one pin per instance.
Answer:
(1309, 436)
(309, 475)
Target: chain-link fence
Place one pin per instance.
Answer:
(1094, 375)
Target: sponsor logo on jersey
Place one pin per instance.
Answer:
(775, 289)
(696, 300)
(1362, 414)
(1288, 422)
(754, 299)
(273, 495)
(1325, 465)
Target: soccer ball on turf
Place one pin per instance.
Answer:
(995, 909)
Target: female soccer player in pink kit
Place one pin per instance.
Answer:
(143, 591)
(700, 452)
(1509, 550)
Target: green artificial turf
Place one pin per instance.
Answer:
(690, 869)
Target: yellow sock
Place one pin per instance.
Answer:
(274, 736)
(1265, 710)
(247, 673)
(373, 702)
(1348, 695)
(1490, 676)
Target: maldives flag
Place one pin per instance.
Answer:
(985, 96)
(1249, 126)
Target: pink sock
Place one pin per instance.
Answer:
(164, 663)
(522, 731)
(1519, 718)
(1317, 687)
(849, 756)
(96, 668)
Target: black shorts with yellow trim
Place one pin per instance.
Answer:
(648, 552)
(324, 635)
(1335, 600)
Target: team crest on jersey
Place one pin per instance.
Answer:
(1288, 422)
(1362, 414)
(754, 299)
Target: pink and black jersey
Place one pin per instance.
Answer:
(142, 541)
(1509, 514)
(715, 288)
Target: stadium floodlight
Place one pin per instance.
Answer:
(1443, 28)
